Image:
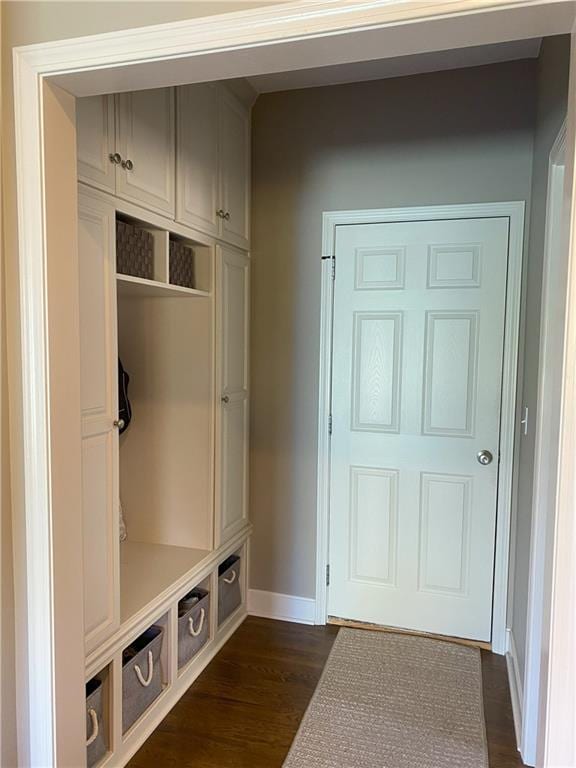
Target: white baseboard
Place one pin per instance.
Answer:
(515, 682)
(272, 605)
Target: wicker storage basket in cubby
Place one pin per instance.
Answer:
(181, 264)
(134, 250)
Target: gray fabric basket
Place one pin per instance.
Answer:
(229, 592)
(95, 744)
(140, 684)
(193, 625)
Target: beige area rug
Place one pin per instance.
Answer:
(394, 701)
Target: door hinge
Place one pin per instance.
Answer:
(330, 424)
(327, 575)
(333, 267)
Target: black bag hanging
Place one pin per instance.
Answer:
(124, 407)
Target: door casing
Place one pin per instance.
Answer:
(514, 211)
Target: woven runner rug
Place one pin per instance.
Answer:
(394, 701)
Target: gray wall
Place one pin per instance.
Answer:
(450, 137)
(552, 91)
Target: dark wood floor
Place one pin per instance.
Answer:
(245, 708)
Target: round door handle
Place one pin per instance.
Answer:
(115, 158)
(484, 458)
(128, 165)
(119, 423)
(225, 399)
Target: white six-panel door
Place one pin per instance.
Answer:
(99, 402)
(417, 368)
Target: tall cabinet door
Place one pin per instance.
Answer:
(235, 169)
(146, 143)
(99, 402)
(197, 157)
(233, 310)
(95, 141)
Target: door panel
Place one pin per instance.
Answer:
(232, 422)
(197, 157)
(146, 138)
(99, 396)
(95, 141)
(235, 169)
(417, 371)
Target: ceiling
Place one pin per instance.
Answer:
(396, 67)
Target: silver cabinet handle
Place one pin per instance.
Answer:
(484, 458)
(227, 215)
(115, 158)
(128, 165)
(225, 399)
(119, 423)
(220, 213)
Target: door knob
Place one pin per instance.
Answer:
(119, 423)
(484, 457)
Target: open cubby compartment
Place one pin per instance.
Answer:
(195, 610)
(98, 717)
(189, 263)
(146, 671)
(167, 451)
(231, 585)
(133, 237)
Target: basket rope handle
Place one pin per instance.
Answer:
(232, 578)
(145, 682)
(196, 632)
(95, 727)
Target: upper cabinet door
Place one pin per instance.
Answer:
(197, 157)
(146, 143)
(95, 141)
(232, 334)
(99, 409)
(234, 169)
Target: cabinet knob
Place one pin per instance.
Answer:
(225, 399)
(115, 158)
(220, 213)
(119, 423)
(227, 215)
(128, 165)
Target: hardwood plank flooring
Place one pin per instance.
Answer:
(245, 708)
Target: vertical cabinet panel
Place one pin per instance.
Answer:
(232, 422)
(146, 141)
(197, 157)
(98, 375)
(96, 141)
(235, 169)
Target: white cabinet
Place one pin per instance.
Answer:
(99, 403)
(232, 334)
(146, 144)
(213, 162)
(126, 146)
(197, 190)
(95, 127)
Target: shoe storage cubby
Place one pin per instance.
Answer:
(194, 622)
(230, 588)
(97, 718)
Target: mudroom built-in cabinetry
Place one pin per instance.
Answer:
(163, 200)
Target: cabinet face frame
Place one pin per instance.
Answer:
(217, 48)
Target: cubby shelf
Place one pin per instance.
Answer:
(139, 287)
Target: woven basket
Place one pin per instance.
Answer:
(134, 251)
(181, 264)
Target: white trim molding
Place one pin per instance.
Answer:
(514, 212)
(273, 605)
(515, 683)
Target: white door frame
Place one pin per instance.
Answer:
(43, 303)
(514, 211)
(554, 273)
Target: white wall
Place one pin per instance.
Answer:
(450, 137)
(552, 91)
